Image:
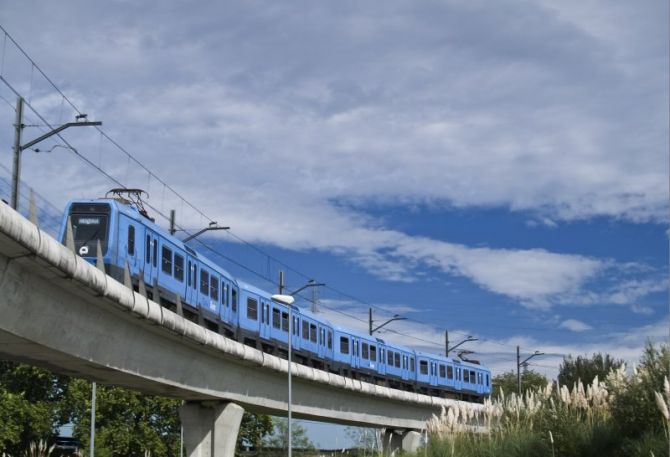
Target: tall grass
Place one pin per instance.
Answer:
(555, 421)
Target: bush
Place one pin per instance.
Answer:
(633, 405)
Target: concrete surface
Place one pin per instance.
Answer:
(60, 312)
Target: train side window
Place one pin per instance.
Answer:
(330, 339)
(147, 255)
(322, 337)
(487, 381)
(195, 277)
(296, 326)
(262, 308)
(466, 376)
(233, 303)
(155, 258)
(189, 274)
(305, 330)
(284, 321)
(397, 359)
(443, 371)
(473, 379)
(224, 293)
(450, 372)
(276, 318)
(365, 351)
(131, 239)
(166, 260)
(412, 368)
(423, 367)
(356, 352)
(312, 333)
(179, 267)
(214, 288)
(204, 282)
(373, 353)
(344, 345)
(252, 309)
(389, 358)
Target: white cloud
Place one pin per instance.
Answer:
(274, 121)
(575, 326)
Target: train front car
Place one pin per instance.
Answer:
(92, 221)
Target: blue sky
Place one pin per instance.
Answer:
(497, 169)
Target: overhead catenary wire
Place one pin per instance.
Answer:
(184, 201)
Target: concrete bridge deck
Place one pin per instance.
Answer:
(60, 312)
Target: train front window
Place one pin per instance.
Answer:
(87, 229)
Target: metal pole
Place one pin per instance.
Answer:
(172, 222)
(370, 321)
(92, 451)
(518, 371)
(290, 390)
(16, 170)
(446, 343)
(281, 282)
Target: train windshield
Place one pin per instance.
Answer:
(88, 227)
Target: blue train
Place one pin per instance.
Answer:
(212, 297)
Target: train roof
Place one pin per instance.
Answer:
(133, 213)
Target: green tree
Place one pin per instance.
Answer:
(507, 382)
(253, 429)
(634, 406)
(30, 400)
(127, 422)
(279, 439)
(586, 369)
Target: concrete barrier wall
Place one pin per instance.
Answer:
(61, 312)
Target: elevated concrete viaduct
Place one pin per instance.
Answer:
(60, 312)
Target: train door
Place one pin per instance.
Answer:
(234, 294)
(150, 257)
(381, 360)
(192, 280)
(265, 320)
(433, 373)
(295, 331)
(322, 341)
(128, 244)
(459, 378)
(405, 367)
(355, 352)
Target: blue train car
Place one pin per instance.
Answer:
(172, 273)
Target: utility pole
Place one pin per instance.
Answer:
(446, 341)
(172, 222)
(16, 169)
(19, 148)
(371, 330)
(281, 282)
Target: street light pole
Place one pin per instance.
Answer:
(518, 366)
(288, 300)
(371, 330)
(19, 148)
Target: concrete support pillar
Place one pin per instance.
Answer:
(396, 440)
(210, 428)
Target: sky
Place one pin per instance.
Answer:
(493, 169)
